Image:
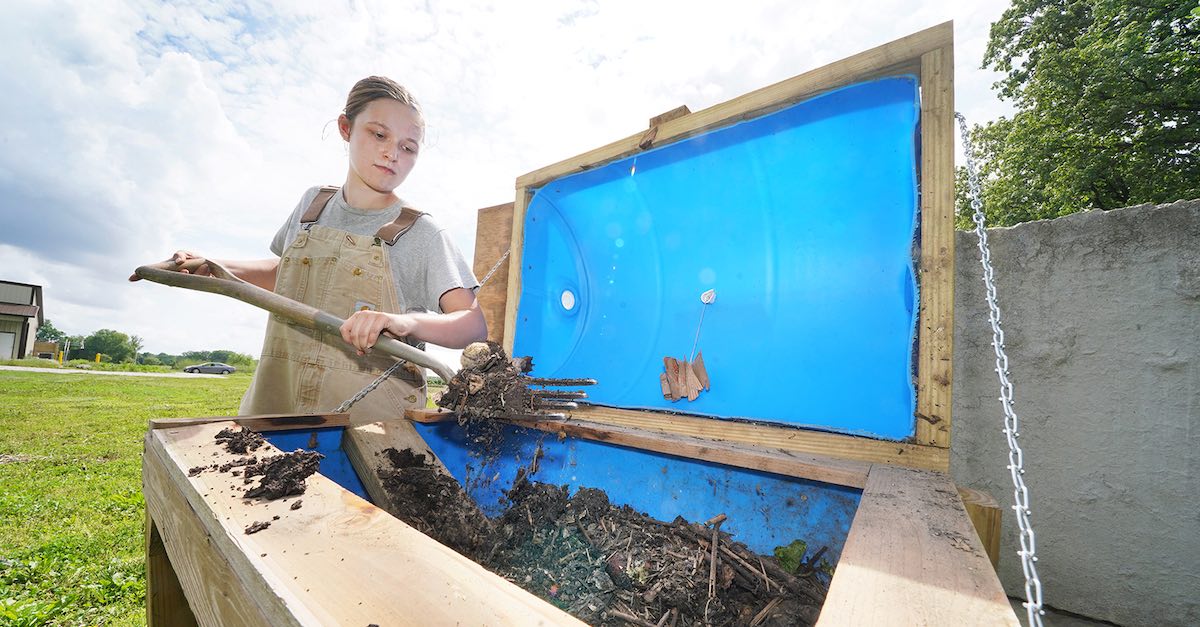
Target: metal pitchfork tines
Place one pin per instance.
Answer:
(491, 385)
(549, 401)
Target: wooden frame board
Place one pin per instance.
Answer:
(910, 557)
(493, 233)
(336, 560)
(261, 422)
(927, 54)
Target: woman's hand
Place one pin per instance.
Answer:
(184, 261)
(362, 329)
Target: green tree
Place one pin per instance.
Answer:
(1107, 94)
(116, 345)
(47, 332)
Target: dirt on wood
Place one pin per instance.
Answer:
(604, 564)
(239, 441)
(281, 475)
(433, 501)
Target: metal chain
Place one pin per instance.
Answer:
(1016, 458)
(496, 267)
(348, 403)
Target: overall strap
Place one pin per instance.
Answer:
(318, 204)
(393, 230)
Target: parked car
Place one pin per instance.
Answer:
(212, 367)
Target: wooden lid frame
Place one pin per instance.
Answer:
(928, 55)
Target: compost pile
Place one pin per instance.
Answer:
(488, 385)
(491, 385)
(606, 565)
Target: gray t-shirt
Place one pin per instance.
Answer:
(425, 262)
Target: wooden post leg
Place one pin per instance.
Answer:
(166, 605)
(985, 516)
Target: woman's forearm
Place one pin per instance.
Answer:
(452, 330)
(462, 324)
(260, 272)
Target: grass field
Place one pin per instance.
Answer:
(71, 508)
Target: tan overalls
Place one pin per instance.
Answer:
(306, 371)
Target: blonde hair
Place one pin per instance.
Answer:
(373, 88)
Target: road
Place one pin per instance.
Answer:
(105, 372)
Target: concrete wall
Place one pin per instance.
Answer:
(1101, 312)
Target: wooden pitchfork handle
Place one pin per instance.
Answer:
(226, 283)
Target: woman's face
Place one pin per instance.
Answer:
(384, 141)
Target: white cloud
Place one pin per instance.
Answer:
(135, 129)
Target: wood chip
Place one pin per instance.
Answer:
(694, 386)
(671, 366)
(701, 371)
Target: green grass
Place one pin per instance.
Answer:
(84, 364)
(71, 508)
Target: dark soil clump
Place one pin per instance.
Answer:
(241, 441)
(256, 527)
(282, 475)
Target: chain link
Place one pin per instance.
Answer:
(1016, 458)
(496, 267)
(348, 403)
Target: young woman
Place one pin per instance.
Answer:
(360, 253)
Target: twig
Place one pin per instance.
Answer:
(790, 581)
(763, 570)
(746, 570)
(629, 618)
(762, 614)
(712, 564)
(810, 566)
(579, 525)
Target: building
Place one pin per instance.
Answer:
(20, 317)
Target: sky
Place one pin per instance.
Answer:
(134, 129)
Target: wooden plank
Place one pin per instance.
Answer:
(262, 422)
(806, 466)
(673, 114)
(166, 604)
(337, 560)
(517, 242)
(364, 446)
(935, 344)
(817, 468)
(766, 436)
(427, 416)
(493, 233)
(892, 58)
(912, 558)
(210, 583)
(985, 513)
